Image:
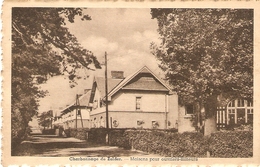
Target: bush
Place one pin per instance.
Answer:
(226, 144)
(231, 144)
(118, 137)
(161, 142)
(48, 131)
(98, 135)
(169, 144)
(80, 133)
(236, 127)
(189, 144)
(67, 132)
(245, 127)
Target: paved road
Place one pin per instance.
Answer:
(50, 145)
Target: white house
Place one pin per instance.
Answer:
(141, 100)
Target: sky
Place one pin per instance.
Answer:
(125, 34)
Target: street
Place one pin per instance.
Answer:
(53, 146)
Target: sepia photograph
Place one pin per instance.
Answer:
(132, 84)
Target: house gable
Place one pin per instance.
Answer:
(143, 79)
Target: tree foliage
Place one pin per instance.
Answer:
(42, 47)
(45, 119)
(206, 52)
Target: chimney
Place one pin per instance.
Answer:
(117, 74)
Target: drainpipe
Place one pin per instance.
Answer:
(166, 109)
(106, 91)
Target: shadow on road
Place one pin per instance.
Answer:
(50, 145)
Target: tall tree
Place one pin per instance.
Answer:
(42, 47)
(206, 54)
(45, 119)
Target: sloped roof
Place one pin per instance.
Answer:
(144, 69)
(83, 101)
(111, 83)
(145, 81)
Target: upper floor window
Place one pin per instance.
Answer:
(240, 103)
(232, 104)
(189, 109)
(138, 103)
(95, 104)
(250, 103)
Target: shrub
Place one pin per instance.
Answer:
(226, 144)
(162, 142)
(188, 144)
(118, 137)
(67, 132)
(231, 144)
(98, 135)
(80, 133)
(48, 131)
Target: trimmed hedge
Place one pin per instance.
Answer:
(226, 144)
(232, 144)
(162, 143)
(119, 137)
(98, 135)
(81, 133)
(189, 144)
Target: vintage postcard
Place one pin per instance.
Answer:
(130, 83)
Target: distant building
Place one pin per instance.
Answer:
(79, 107)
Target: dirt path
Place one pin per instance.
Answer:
(50, 145)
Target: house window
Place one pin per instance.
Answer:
(100, 103)
(250, 115)
(250, 103)
(240, 103)
(138, 103)
(102, 125)
(95, 104)
(94, 123)
(189, 109)
(231, 104)
(239, 112)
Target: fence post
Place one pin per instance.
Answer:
(208, 154)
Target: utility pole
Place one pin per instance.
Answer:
(106, 91)
(76, 123)
(78, 110)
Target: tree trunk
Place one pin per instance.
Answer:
(200, 119)
(210, 125)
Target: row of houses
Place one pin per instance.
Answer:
(140, 100)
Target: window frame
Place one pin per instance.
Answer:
(186, 109)
(140, 103)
